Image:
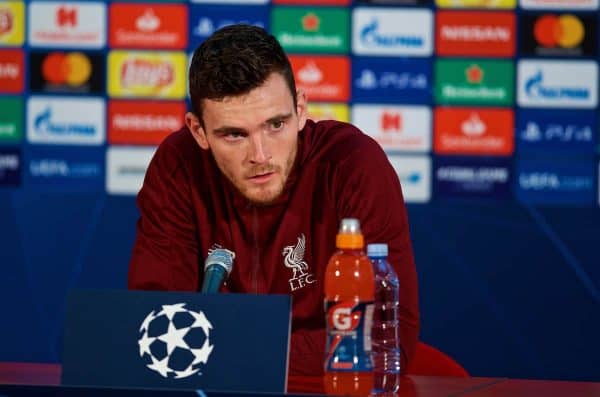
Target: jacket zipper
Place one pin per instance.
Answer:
(256, 254)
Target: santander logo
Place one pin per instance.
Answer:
(140, 72)
(310, 73)
(148, 21)
(473, 126)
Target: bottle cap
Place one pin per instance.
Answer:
(377, 250)
(350, 226)
(349, 235)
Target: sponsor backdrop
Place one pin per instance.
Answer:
(488, 110)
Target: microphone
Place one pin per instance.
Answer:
(217, 268)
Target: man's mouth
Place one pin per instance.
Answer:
(262, 177)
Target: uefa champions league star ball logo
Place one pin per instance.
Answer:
(175, 341)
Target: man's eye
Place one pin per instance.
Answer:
(234, 136)
(277, 125)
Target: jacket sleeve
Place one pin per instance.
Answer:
(165, 253)
(368, 188)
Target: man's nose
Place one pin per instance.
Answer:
(259, 152)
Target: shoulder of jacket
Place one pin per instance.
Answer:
(178, 150)
(342, 141)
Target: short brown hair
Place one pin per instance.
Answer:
(233, 61)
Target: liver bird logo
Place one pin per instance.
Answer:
(294, 257)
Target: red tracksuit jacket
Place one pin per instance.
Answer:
(187, 206)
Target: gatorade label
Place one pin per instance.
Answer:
(349, 336)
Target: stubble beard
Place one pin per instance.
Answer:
(267, 195)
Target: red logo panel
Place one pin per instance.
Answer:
(474, 131)
(11, 71)
(475, 33)
(143, 122)
(322, 78)
(148, 26)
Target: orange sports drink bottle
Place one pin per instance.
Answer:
(349, 296)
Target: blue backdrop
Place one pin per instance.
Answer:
(508, 290)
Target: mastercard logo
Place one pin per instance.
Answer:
(72, 69)
(559, 31)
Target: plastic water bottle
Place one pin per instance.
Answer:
(349, 295)
(385, 338)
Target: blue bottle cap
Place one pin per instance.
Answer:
(377, 250)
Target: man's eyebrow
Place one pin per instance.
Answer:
(224, 130)
(279, 117)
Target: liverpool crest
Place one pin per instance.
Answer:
(294, 259)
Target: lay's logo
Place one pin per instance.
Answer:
(143, 72)
(146, 74)
(12, 20)
(342, 317)
(328, 111)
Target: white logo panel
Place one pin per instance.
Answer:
(387, 31)
(557, 84)
(403, 128)
(72, 24)
(415, 176)
(559, 4)
(230, 1)
(66, 121)
(126, 168)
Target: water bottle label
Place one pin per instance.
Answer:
(349, 336)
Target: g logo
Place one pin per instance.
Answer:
(343, 318)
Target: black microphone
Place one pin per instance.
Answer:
(217, 268)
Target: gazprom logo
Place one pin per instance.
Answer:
(44, 125)
(385, 31)
(66, 121)
(557, 84)
(371, 35)
(535, 88)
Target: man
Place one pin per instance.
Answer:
(251, 174)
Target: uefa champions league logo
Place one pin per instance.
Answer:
(174, 341)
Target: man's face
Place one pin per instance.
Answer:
(253, 137)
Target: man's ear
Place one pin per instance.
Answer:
(301, 108)
(193, 124)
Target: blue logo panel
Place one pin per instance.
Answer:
(472, 177)
(172, 340)
(205, 19)
(556, 181)
(566, 131)
(391, 80)
(10, 167)
(65, 168)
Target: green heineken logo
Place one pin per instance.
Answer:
(310, 22)
(11, 119)
(314, 30)
(474, 82)
(474, 74)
